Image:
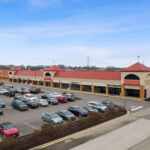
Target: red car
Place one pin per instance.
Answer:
(8, 129)
(25, 92)
(62, 99)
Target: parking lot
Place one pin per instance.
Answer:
(27, 121)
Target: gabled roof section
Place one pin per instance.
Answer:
(102, 75)
(15, 69)
(137, 67)
(53, 68)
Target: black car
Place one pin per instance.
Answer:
(46, 96)
(19, 105)
(1, 83)
(70, 97)
(32, 104)
(66, 115)
(2, 104)
(1, 110)
(20, 98)
(78, 111)
(10, 93)
(52, 101)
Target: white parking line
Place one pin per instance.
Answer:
(133, 109)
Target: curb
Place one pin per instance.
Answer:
(77, 133)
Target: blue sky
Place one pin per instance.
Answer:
(46, 32)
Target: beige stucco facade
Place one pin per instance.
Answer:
(143, 88)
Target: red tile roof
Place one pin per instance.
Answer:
(4, 76)
(53, 68)
(15, 69)
(137, 67)
(131, 82)
(103, 75)
(29, 73)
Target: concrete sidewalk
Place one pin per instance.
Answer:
(120, 139)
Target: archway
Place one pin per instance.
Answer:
(47, 74)
(132, 77)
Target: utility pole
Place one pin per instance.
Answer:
(138, 58)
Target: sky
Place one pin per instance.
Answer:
(47, 32)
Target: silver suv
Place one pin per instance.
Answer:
(98, 105)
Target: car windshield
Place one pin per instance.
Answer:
(30, 96)
(66, 113)
(79, 108)
(48, 95)
(9, 126)
(21, 103)
(42, 100)
(53, 115)
(53, 99)
(99, 104)
(20, 98)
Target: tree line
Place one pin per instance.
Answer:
(64, 67)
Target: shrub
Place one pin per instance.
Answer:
(7, 144)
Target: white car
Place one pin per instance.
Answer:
(30, 97)
(3, 91)
(98, 105)
(55, 95)
(42, 102)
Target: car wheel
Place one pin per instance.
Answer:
(4, 136)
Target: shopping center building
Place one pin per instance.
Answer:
(133, 81)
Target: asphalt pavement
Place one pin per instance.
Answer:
(27, 121)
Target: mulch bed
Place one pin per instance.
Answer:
(50, 132)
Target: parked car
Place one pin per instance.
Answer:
(66, 115)
(35, 90)
(25, 91)
(19, 98)
(8, 129)
(70, 97)
(2, 104)
(78, 111)
(10, 93)
(42, 102)
(1, 83)
(1, 110)
(56, 95)
(46, 96)
(32, 104)
(62, 99)
(90, 109)
(19, 105)
(8, 86)
(22, 90)
(3, 91)
(98, 105)
(108, 103)
(52, 101)
(30, 97)
(52, 117)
